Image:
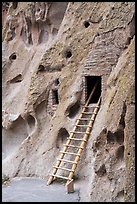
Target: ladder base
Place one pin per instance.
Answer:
(70, 186)
(50, 180)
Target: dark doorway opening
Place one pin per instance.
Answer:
(55, 97)
(90, 83)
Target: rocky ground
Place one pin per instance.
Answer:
(24, 189)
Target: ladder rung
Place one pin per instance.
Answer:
(73, 162)
(57, 176)
(88, 106)
(96, 106)
(84, 119)
(63, 168)
(70, 153)
(73, 146)
(77, 132)
(88, 113)
(78, 138)
(81, 125)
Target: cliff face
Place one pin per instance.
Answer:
(48, 51)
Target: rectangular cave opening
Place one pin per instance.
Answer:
(90, 82)
(55, 98)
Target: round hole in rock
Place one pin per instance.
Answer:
(61, 137)
(68, 53)
(72, 110)
(31, 123)
(86, 24)
(13, 56)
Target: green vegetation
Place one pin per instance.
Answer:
(5, 179)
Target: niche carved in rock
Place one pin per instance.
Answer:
(31, 123)
(13, 137)
(72, 109)
(13, 56)
(16, 79)
(61, 138)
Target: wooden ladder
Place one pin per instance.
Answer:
(84, 116)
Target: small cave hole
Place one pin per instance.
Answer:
(41, 68)
(61, 137)
(56, 82)
(119, 135)
(128, 41)
(16, 79)
(116, 137)
(122, 119)
(120, 194)
(68, 53)
(128, 153)
(13, 56)
(110, 137)
(86, 24)
(101, 171)
(72, 110)
(31, 123)
(97, 34)
(55, 97)
(120, 152)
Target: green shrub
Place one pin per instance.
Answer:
(5, 178)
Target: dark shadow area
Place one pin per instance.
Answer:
(16, 79)
(72, 110)
(90, 83)
(13, 56)
(86, 24)
(61, 138)
(55, 97)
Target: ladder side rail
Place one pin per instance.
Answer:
(71, 136)
(91, 94)
(83, 143)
